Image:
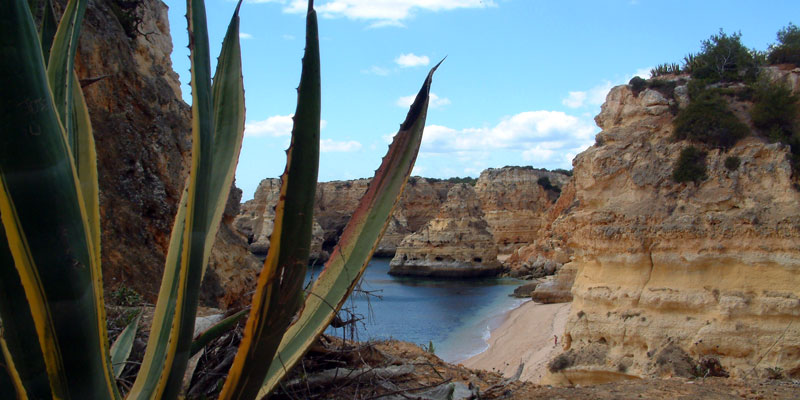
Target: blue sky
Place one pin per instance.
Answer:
(521, 85)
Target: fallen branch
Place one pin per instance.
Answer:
(330, 376)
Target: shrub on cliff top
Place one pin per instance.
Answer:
(690, 166)
(776, 112)
(544, 182)
(787, 50)
(723, 58)
(708, 119)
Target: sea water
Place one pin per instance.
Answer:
(456, 316)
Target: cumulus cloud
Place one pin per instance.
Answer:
(541, 136)
(382, 12)
(244, 36)
(411, 60)
(574, 100)
(435, 101)
(274, 126)
(330, 145)
(596, 96)
(593, 97)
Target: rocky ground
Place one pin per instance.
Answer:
(337, 369)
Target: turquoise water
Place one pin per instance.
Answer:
(456, 315)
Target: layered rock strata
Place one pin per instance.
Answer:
(514, 202)
(707, 270)
(457, 243)
(334, 205)
(256, 220)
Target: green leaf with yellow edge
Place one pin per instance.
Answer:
(48, 29)
(278, 293)
(217, 131)
(61, 64)
(20, 341)
(216, 331)
(44, 218)
(357, 243)
(153, 363)
(122, 346)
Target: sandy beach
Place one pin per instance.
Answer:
(525, 336)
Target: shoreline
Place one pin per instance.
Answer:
(525, 335)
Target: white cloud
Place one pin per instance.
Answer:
(643, 73)
(596, 96)
(245, 36)
(574, 100)
(376, 70)
(286, 36)
(539, 136)
(435, 101)
(277, 125)
(411, 60)
(384, 12)
(593, 97)
(329, 145)
(274, 126)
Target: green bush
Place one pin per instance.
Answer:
(732, 163)
(775, 113)
(787, 50)
(637, 85)
(544, 182)
(708, 119)
(723, 58)
(691, 166)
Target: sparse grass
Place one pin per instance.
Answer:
(126, 297)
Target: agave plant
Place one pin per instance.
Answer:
(53, 339)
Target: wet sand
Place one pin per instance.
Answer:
(525, 336)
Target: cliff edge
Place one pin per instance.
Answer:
(674, 276)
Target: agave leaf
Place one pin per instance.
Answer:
(357, 243)
(277, 296)
(44, 218)
(217, 130)
(61, 63)
(216, 331)
(85, 156)
(121, 348)
(19, 337)
(48, 30)
(11, 384)
(153, 364)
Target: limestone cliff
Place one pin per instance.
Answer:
(334, 204)
(514, 203)
(142, 133)
(669, 272)
(456, 243)
(255, 221)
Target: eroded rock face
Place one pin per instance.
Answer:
(335, 203)
(142, 133)
(256, 220)
(712, 268)
(456, 243)
(514, 203)
(232, 270)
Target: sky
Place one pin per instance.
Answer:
(521, 84)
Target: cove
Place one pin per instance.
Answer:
(457, 316)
